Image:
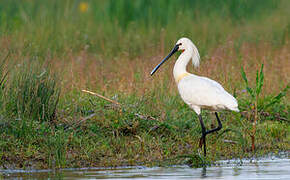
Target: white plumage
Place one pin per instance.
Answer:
(203, 93)
(196, 91)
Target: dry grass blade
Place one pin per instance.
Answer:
(100, 96)
(80, 121)
(144, 117)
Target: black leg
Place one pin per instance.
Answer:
(204, 132)
(219, 125)
(202, 139)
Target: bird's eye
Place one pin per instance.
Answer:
(179, 44)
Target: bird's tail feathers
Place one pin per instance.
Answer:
(236, 109)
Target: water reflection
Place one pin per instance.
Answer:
(203, 172)
(262, 169)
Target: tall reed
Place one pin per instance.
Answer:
(32, 92)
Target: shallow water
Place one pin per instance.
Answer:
(265, 168)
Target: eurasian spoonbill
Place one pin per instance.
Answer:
(196, 91)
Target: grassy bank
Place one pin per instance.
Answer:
(51, 50)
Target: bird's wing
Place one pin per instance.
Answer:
(203, 91)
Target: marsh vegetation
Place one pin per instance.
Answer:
(51, 50)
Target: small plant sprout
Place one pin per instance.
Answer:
(256, 108)
(254, 93)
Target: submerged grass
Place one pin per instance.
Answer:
(110, 47)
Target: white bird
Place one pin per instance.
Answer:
(196, 91)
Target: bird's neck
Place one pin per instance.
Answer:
(179, 70)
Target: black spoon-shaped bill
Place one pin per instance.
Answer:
(174, 50)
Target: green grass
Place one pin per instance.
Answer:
(31, 93)
(112, 28)
(50, 50)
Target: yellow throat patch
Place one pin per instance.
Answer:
(181, 76)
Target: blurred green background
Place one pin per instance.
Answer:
(114, 27)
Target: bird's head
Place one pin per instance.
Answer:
(183, 44)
